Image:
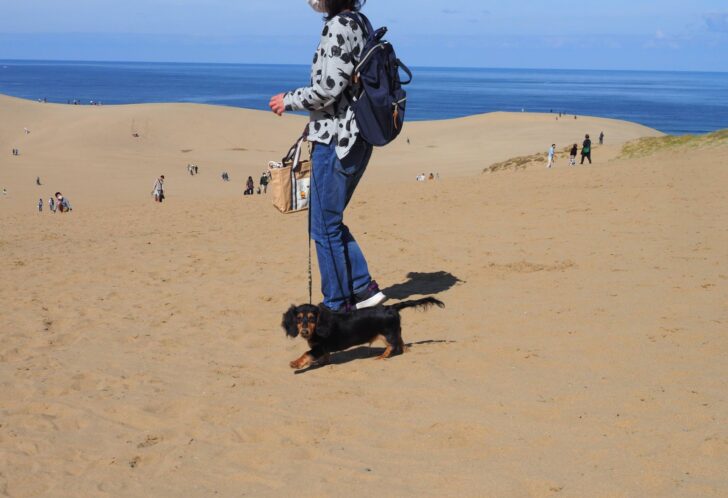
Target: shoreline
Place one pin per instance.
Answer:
(675, 103)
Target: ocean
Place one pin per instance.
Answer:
(672, 102)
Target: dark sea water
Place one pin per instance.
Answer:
(673, 102)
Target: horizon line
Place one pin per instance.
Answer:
(119, 61)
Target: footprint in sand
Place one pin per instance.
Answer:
(150, 441)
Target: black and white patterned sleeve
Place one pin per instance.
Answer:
(333, 67)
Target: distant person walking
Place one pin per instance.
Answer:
(264, 182)
(40, 205)
(572, 155)
(601, 138)
(37, 180)
(158, 189)
(51, 204)
(249, 186)
(62, 203)
(586, 150)
(552, 152)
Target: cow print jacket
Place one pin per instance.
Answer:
(331, 93)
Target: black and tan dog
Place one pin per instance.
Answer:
(328, 331)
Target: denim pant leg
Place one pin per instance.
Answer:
(344, 269)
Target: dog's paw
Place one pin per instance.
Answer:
(301, 363)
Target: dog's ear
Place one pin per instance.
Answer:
(322, 328)
(289, 322)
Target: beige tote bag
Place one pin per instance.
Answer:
(290, 182)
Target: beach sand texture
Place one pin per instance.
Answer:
(583, 350)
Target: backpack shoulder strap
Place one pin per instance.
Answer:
(361, 20)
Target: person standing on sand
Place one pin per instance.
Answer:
(264, 182)
(572, 155)
(552, 152)
(51, 205)
(249, 186)
(339, 156)
(601, 138)
(40, 205)
(59, 202)
(586, 150)
(158, 189)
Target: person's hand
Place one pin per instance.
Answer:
(276, 104)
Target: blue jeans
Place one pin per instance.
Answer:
(344, 271)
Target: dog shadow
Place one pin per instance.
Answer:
(425, 284)
(364, 353)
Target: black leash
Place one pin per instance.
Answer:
(310, 273)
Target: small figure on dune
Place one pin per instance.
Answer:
(552, 153)
(586, 150)
(158, 190)
(62, 203)
(249, 186)
(572, 155)
(601, 138)
(40, 205)
(37, 180)
(51, 205)
(264, 182)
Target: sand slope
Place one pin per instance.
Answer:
(582, 351)
(94, 147)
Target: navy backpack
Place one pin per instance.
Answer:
(380, 109)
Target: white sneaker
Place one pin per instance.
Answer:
(371, 297)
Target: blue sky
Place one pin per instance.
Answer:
(608, 34)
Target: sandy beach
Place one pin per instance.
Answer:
(582, 352)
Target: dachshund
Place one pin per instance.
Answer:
(330, 331)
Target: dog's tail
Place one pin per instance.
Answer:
(419, 303)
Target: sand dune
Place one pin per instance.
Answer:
(582, 351)
(95, 146)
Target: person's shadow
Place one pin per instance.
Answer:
(425, 284)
